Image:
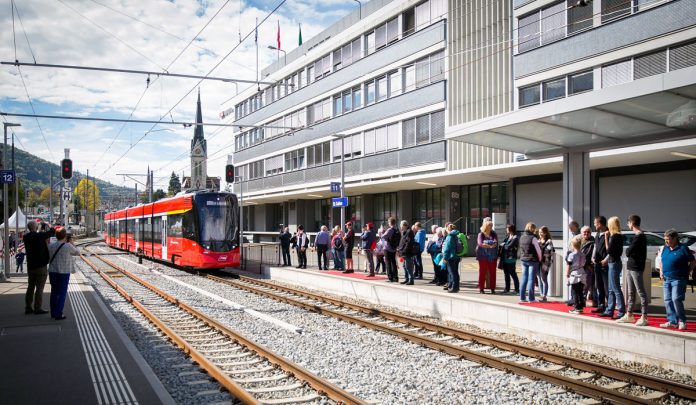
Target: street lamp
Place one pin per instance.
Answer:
(343, 178)
(285, 55)
(6, 231)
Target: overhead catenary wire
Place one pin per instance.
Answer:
(194, 87)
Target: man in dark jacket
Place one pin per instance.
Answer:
(587, 249)
(367, 239)
(37, 265)
(601, 272)
(285, 246)
(407, 250)
(392, 237)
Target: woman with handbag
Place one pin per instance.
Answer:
(60, 266)
(508, 259)
(548, 254)
(486, 255)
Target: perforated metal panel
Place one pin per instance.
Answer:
(650, 65)
(682, 56)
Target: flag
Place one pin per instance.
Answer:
(299, 40)
(278, 36)
(256, 31)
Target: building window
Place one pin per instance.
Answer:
(437, 67)
(352, 147)
(393, 135)
(528, 32)
(408, 133)
(529, 95)
(347, 101)
(422, 73)
(337, 105)
(395, 83)
(579, 18)
(381, 36)
(370, 92)
(422, 15)
(615, 8)
(682, 56)
(357, 98)
(274, 165)
(318, 154)
(393, 30)
(408, 22)
(422, 129)
(616, 73)
(553, 23)
(319, 111)
(369, 141)
(310, 74)
(649, 65)
(554, 89)
(580, 82)
(370, 46)
(294, 160)
(382, 88)
(410, 76)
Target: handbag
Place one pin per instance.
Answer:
(501, 265)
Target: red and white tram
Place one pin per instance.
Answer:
(198, 230)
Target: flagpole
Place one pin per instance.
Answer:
(257, 54)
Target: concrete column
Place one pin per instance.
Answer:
(576, 206)
(453, 201)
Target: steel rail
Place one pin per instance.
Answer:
(669, 387)
(214, 371)
(322, 386)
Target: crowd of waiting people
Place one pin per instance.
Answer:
(593, 263)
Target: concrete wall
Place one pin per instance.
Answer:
(663, 200)
(541, 203)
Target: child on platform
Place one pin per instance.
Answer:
(576, 274)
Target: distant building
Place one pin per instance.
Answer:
(199, 179)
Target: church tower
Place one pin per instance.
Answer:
(199, 152)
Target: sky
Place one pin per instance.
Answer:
(149, 35)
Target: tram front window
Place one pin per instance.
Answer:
(217, 217)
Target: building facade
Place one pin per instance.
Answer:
(416, 97)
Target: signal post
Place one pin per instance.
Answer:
(66, 172)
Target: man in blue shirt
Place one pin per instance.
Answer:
(677, 263)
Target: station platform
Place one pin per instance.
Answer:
(671, 349)
(86, 358)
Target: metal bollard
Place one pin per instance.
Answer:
(140, 258)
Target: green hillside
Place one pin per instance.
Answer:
(33, 174)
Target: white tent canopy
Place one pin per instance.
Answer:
(17, 217)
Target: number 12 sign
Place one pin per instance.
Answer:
(7, 176)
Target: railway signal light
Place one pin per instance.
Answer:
(229, 173)
(66, 169)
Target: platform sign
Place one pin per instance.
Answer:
(335, 187)
(66, 194)
(339, 202)
(7, 176)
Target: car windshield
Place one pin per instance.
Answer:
(218, 220)
(687, 240)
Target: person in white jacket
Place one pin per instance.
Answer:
(61, 264)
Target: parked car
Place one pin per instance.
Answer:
(655, 242)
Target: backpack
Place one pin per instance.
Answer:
(338, 243)
(462, 247)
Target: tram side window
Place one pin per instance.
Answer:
(188, 227)
(175, 225)
(147, 230)
(157, 229)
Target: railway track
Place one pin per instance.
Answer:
(601, 382)
(250, 372)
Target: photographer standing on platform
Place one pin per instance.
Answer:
(37, 261)
(61, 265)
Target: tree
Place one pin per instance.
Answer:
(43, 197)
(174, 185)
(158, 194)
(85, 192)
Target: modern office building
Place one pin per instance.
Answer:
(453, 110)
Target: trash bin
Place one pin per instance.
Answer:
(647, 282)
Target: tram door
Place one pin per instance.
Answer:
(164, 237)
(137, 235)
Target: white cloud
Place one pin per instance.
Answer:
(58, 35)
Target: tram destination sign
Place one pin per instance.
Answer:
(339, 202)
